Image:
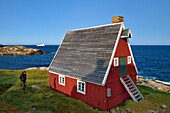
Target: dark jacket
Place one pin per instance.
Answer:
(23, 76)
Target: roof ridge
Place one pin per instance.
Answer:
(96, 26)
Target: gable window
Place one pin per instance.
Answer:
(61, 80)
(116, 62)
(81, 87)
(129, 59)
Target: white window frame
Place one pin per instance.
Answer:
(116, 60)
(61, 82)
(129, 59)
(80, 90)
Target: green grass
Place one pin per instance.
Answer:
(44, 100)
(153, 99)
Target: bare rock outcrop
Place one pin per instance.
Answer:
(18, 50)
(153, 84)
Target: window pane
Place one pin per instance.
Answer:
(81, 87)
(62, 79)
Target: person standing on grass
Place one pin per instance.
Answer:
(23, 79)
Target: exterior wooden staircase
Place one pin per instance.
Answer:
(132, 89)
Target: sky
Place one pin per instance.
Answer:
(31, 22)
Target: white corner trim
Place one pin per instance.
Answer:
(57, 51)
(124, 36)
(123, 25)
(78, 81)
(61, 76)
(132, 55)
(130, 32)
(113, 54)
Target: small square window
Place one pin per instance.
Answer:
(81, 87)
(61, 80)
(129, 59)
(116, 62)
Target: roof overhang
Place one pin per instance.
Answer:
(126, 33)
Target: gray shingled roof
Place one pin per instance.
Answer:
(86, 53)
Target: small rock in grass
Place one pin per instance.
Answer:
(117, 110)
(128, 110)
(152, 111)
(35, 86)
(113, 111)
(34, 108)
(163, 106)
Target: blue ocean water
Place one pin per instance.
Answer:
(23, 62)
(153, 62)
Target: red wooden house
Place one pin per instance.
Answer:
(96, 65)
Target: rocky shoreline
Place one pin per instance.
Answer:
(153, 84)
(18, 50)
(40, 68)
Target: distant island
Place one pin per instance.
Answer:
(18, 50)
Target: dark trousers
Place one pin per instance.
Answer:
(23, 84)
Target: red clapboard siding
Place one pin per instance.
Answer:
(95, 94)
(122, 48)
(118, 92)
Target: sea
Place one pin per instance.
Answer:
(153, 61)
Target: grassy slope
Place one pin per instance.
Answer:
(45, 100)
(153, 99)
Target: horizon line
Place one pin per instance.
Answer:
(131, 44)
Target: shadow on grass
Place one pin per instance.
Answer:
(4, 88)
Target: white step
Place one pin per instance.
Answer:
(136, 95)
(135, 92)
(127, 81)
(130, 86)
(133, 89)
(138, 98)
